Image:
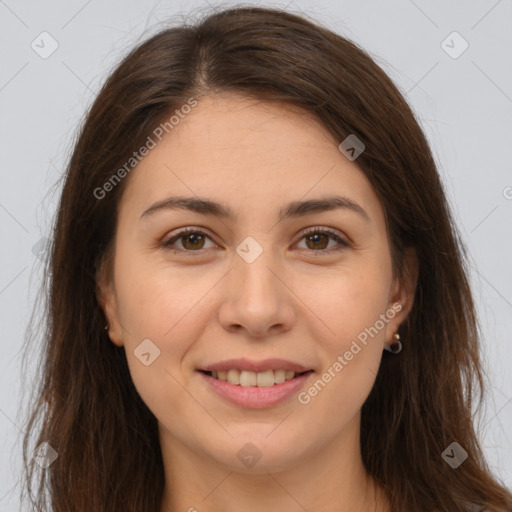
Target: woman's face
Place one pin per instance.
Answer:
(253, 286)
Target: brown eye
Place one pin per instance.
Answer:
(317, 240)
(192, 240)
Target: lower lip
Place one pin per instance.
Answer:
(254, 397)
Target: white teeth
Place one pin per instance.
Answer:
(265, 379)
(279, 376)
(247, 378)
(234, 377)
(261, 379)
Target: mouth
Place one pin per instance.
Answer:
(255, 390)
(245, 378)
(254, 384)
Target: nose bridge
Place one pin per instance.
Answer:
(256, 258)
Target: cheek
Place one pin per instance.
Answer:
(154, 298)
(170, 307)
(354, 318)
(347, 303)
(160, 309)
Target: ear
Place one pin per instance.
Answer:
(404, 288)
(107, 299)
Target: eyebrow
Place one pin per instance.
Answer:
(294, 209)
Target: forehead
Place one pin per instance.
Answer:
(231, 126)
(246, 152)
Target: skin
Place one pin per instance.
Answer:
(300, 300)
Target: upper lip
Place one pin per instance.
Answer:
(256, 366)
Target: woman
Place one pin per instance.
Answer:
(258, 299)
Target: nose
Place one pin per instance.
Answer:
(257, 298)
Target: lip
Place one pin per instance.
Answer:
(254, 397)
(256, 366)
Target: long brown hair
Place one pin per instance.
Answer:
(87, 408)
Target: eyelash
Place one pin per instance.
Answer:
(309, 231)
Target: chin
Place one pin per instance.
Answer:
(258, 450)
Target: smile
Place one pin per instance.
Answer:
(255, 390)
(247, 378)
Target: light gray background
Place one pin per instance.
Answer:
(464, 105)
